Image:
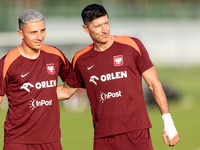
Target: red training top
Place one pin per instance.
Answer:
(30, 84)
(113, 82)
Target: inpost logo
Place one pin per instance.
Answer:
(106, 96)
(35, 103)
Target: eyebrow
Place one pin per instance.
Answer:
(37, 31)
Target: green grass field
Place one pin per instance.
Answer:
(77, 130)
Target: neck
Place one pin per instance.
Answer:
(28, 53)
(103, 46)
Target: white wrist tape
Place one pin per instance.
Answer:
(169, 126)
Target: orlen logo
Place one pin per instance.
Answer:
(109, 76)
(105, 96)
(118, 60)
(39, 85)
(34, 103)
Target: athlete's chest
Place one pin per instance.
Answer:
(25, 74)
(107, 66)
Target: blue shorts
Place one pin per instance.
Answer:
(44, 146)
(135, 140)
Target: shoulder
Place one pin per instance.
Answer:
(53, 50)
(84, 50)
(130, 41)
(14, 53)
(8, 59)
(81, 52)
(49, 49)
(11, 56)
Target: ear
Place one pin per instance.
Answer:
(85, 28)
(21, 34)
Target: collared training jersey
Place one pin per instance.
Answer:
(30, 85)
(113, 82)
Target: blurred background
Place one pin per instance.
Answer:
(169, 29)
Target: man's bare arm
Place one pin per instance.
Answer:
(154, 84)
(151, 78)
(65, 91)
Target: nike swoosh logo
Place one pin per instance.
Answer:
(88, 68)
(24, 75)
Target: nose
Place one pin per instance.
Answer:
(104, 29)
(39, 36)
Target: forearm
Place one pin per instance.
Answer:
(65, 91)
(154, 84)
(159, 96)
(151, 78)
(161, 100)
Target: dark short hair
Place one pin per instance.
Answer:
(92, 12)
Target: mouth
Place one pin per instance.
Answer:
(38, 43)
(104, 35)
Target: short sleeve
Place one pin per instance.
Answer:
(64, 67)
(143, 62)
(74, 77)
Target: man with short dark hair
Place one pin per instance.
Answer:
(110, 69)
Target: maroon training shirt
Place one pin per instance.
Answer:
(114, 85)
(30, 84)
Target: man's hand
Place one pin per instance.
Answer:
(65, 91)
(173, 141)
(169, 130)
